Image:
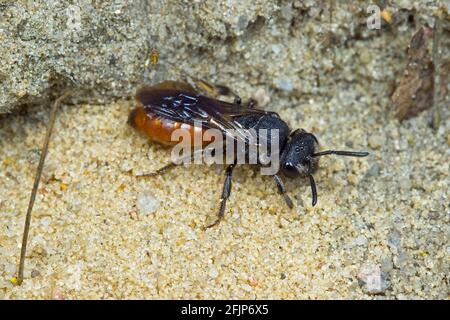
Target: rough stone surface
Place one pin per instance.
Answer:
(48, 46)
(88, 238)
(103, 48)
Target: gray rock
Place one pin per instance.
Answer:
(374, 170)
(361, 240)
(387, 265)
(284, 84)
(35, 273)
(394, 238)
(103, 48)
(48, 46)
(373, 280)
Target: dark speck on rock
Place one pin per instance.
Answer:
(349, 144)
(298, 116)
(112, 60)
(433, 215)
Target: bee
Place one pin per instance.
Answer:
(173, 105)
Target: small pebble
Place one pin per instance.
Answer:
(262, 97)
(35, 273)
(376, 141)
(394, 239)
(46, 221)
(276, 48)
(284, 84)
(387, 265)
(361, 240)
(213, 273)
(374, 171)
(126, 166)
(247, 287)
(57, 294)
(147, 203)
(372, 279)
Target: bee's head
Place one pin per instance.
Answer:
(300, 159)
(297, 156)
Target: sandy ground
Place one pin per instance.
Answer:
(379, 230)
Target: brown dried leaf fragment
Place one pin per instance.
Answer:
(415, 92)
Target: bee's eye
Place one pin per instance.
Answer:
(298, 149)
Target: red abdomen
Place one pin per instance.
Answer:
(160, 129)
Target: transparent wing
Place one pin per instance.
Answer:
(179, 102)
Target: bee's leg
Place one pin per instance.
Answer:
(282, 190)
(216, 90)
(158, 171)
(251, 103)
(225, 194)
(226, 91)
(171, 165)
(204, 87)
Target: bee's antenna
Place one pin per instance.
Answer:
(324, 153)
(341, 153)
(37, 178)
(311, 182)
(313, 189)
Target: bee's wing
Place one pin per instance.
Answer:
(189, 107)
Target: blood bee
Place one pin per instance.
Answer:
(173, 105)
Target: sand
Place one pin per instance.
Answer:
(379, 230)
